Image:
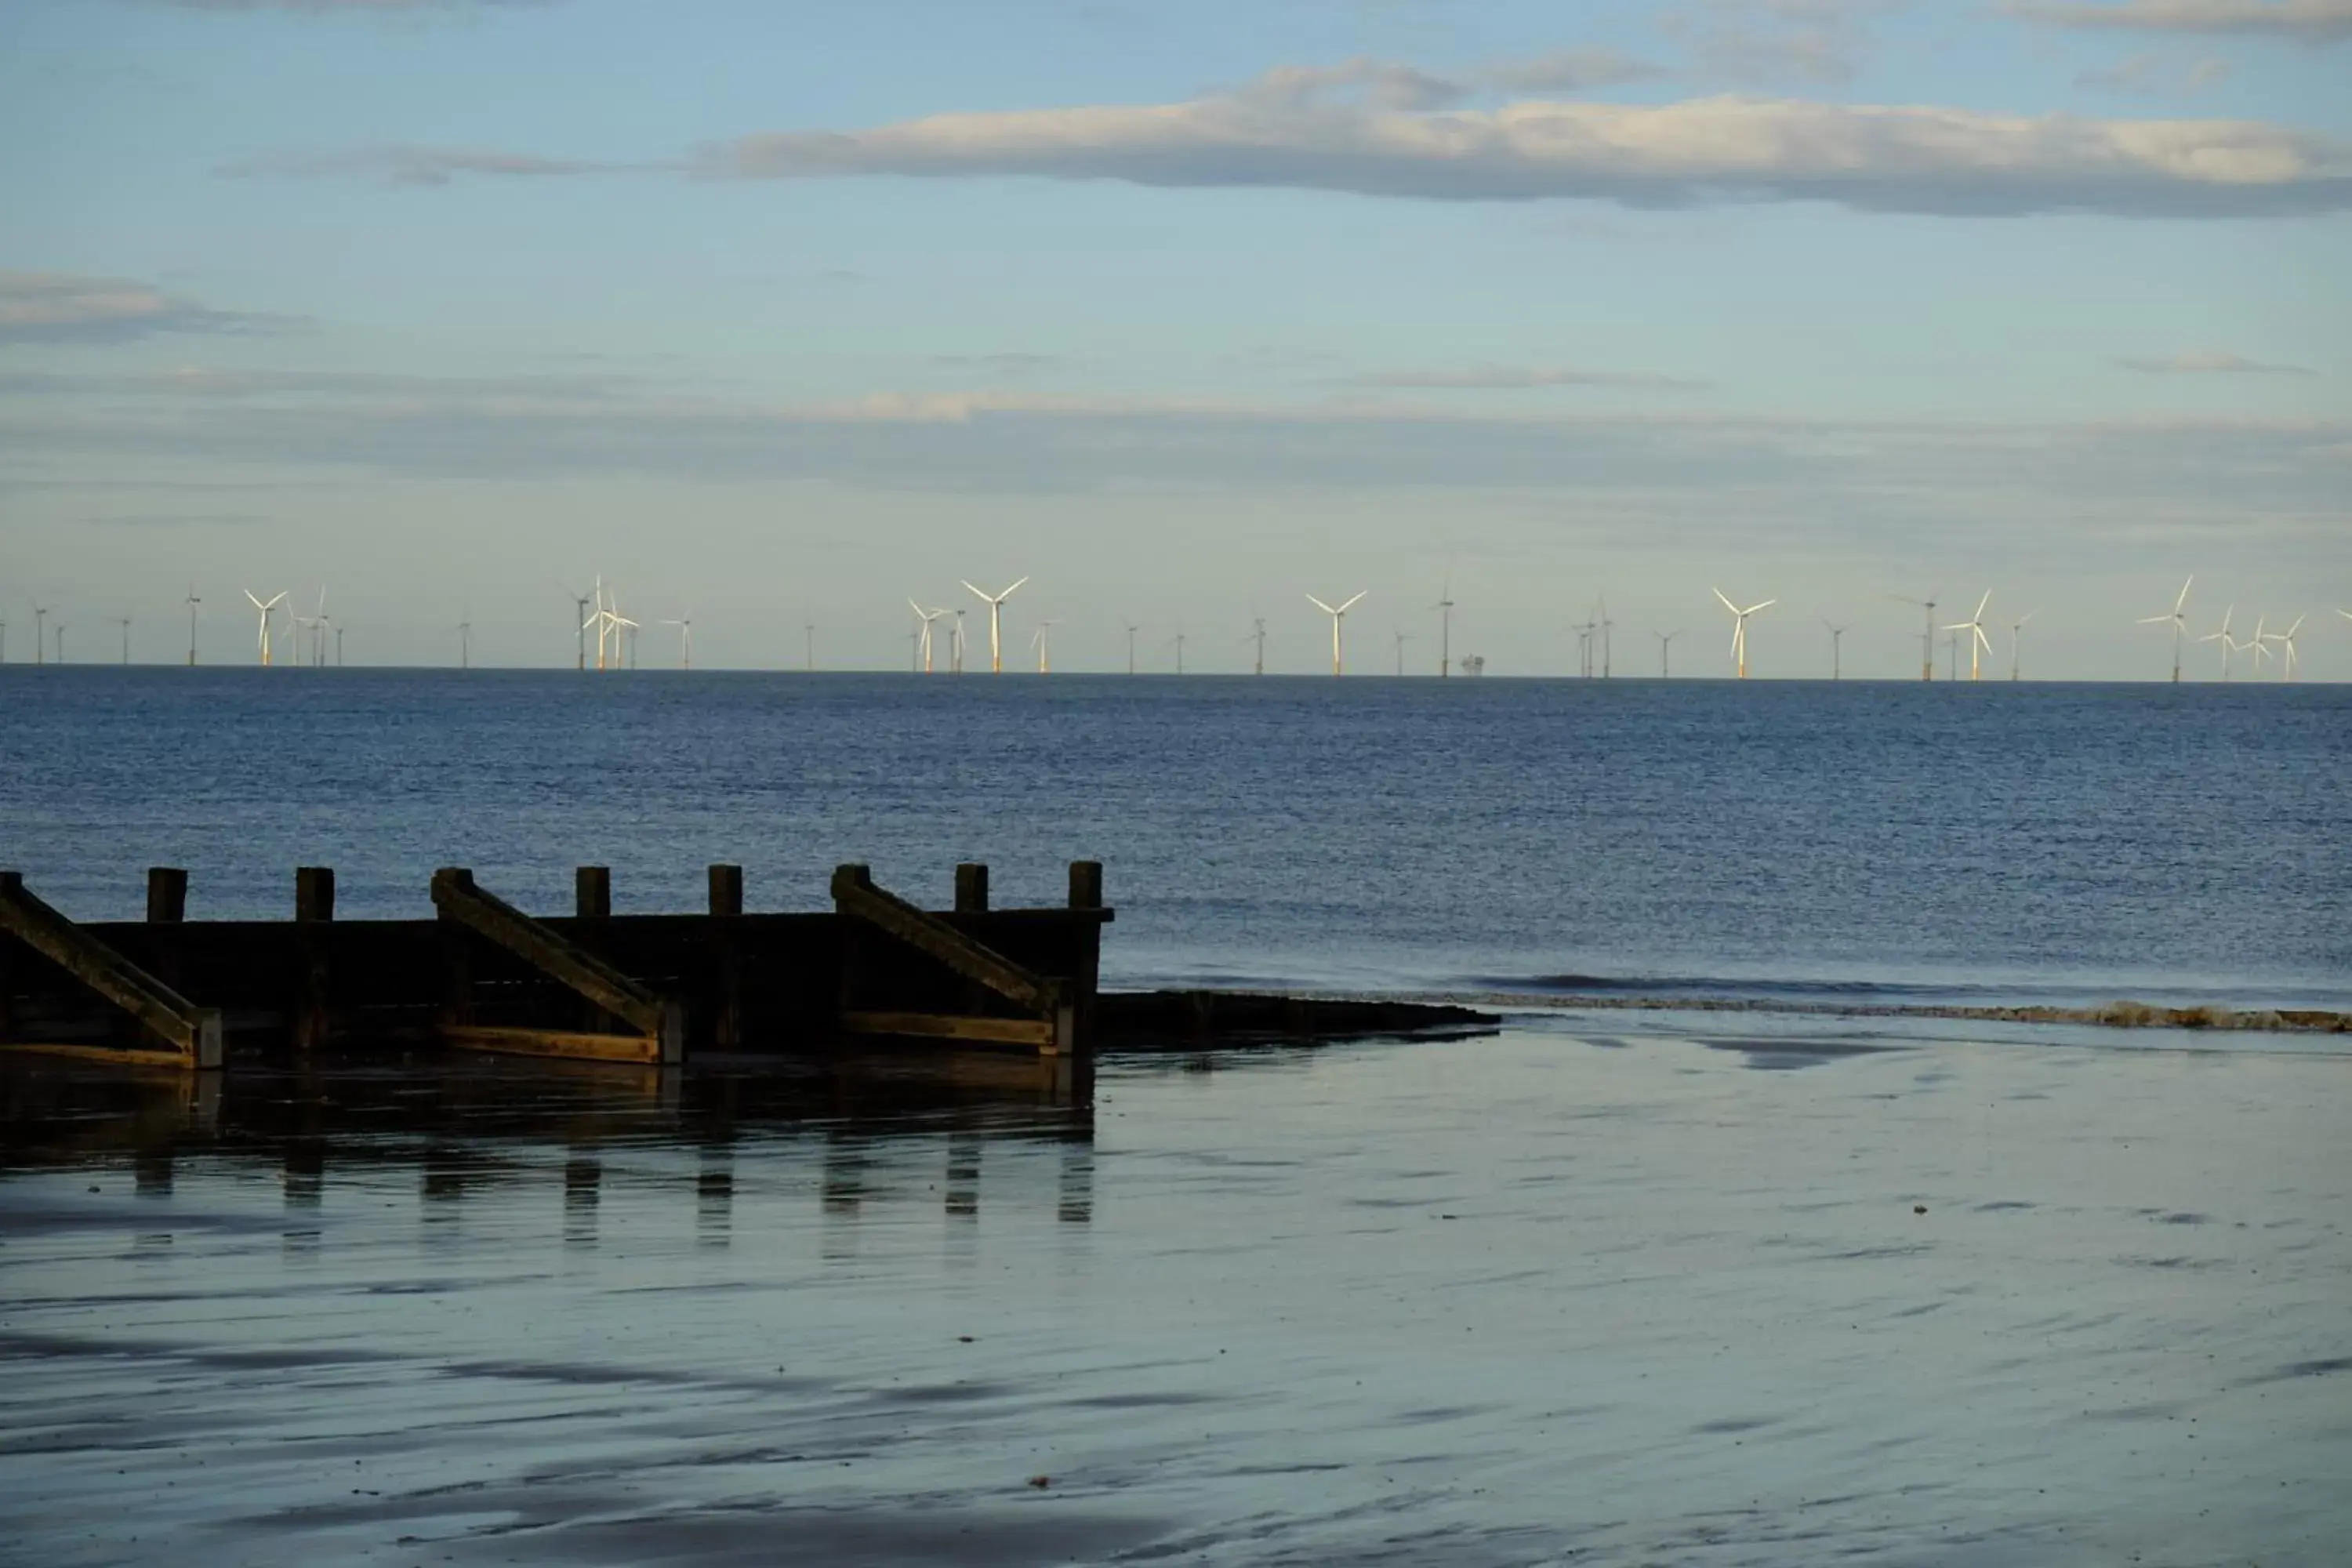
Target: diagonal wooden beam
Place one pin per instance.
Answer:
(855, 896)
(460, 901)
(193, 1031)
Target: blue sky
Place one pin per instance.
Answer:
(774, 314)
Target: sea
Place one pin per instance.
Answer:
(1794, 842)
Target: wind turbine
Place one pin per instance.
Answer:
(581, 600)
(466, 642)
(2254, 645)
(40, 635)
(955, 645)
(3, 640)
(1339, 616)
(1605, 624)
(62, 642)
(1132, 629)
(2286, 639)
(685, 626)
(124, 622)
(1178, 640)
(265, 609)
(1739, 629)
(2016, 634)
(1926, 637)
(1837, 649)
(1042, 639)
(1444, 609)
(1665, 653)
(2229, 644)
(1403, 639)
(1978, 643)
(2180, 624)
(923, 637)
(995, 613)
(338, 645)
(1258, 637)
(1584, 635)
(193, 603)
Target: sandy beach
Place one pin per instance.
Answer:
(1549, 1296)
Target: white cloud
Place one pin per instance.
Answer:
(2210, 362)
(1510, 377)
(1778, 40)
(1885, 159)
(60, 306)
(2310, 21)
(1569, 70)
(2155, 76)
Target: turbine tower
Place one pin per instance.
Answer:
(2285, 641)
(40, 635)
(1258, 637)
(1339, 617)
(124, 622)
(2229, 644)
(1927, 637)
(1837, 649)
(996, 631)
(2016, 634)
(581, 600)
(1665, 653)
(1978, 643)
(1042, 639)
(1444, 609)
(2180, 624)
(1739, 629)
(1132, 629)
(466, 643)
(193, 603)
(923, 637)
(1401, 638)
(2253, 644)
(1604, 624)
(1178, 643)
(685, 626)
(265, 609)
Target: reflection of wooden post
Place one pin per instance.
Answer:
(314, 910)
(726, 957)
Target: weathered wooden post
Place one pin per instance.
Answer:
(971, 888)
(457, 964)
(1085, 893)
(726, 1002)
(592, 900)
(314, 911)
(853, 943)
(167, 905)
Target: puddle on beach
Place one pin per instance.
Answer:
(1504, 1300)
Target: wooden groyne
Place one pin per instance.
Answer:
(482, 975)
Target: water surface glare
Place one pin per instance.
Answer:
(1538, 1298)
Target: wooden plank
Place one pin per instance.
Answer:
(855, 896)
(167, 895)
(194, 1031)
(113, 1055)
(489, 916)
(568, 1043)
(946, 1027)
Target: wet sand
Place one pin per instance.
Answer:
(1553, 1296)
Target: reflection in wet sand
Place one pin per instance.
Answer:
(1515, 1301)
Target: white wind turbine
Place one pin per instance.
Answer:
(193, 603)
(266, 610)
(2180, 624)
(685, 624)
(955, 644)
(1339, 617)
(923, 637)
(600, 622)
(2229, 644)
(2253, 644)
(1739, 629)
(995, 625)
(2285, 641)
(1837, 649)
(1978, 643)
(1665, 652)
(2016, 636)
(1042, 639)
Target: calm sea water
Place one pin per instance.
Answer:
(2013, 843)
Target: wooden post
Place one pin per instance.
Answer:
(592, 892)
(726, 957)
(1085, 893)
(971, 888)
(167, 895)
(314, 910)
(592, 900)
(852, 944)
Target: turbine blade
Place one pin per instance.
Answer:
(1321, 605)
(1726, 603)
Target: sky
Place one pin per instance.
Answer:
(775, 317)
